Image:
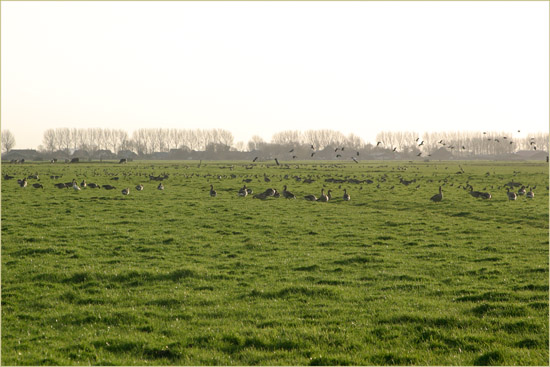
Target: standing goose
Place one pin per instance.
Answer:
(437, 197)
(288, 194)
(323, 198)
(243, 191)
(126, 191)
(83, 184)
(75, 186)
(160, 186)
(139, 187)
(37, 186)
(521, 191)
(23, 182)
(530, 194)
(213, 192)
(511, 195)
(346, 196)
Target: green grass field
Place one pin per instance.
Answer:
(177, 277)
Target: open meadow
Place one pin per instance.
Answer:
(177, 277)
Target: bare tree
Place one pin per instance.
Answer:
(49, 140)
(8, 140)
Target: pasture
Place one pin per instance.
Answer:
(176, 277)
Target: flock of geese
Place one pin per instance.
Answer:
(271, 192)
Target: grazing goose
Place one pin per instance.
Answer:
(323, 198)
(139, 187)
(276, 194)
(160, 186)
(262, 196)
(213, 192)
(511, 195)
(475, 194)
(108, 187)
(243, 191)
(287, 194)
(37, 186)
(485, 195)
(60, 185)
(310, 197)
(249, 191)
(126, 191)
(437, 197)
(530, 194)
(93, 185)
(346, 196)
(270, 192)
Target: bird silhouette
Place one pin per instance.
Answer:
(277, 161)
(255, 159)
(394, 149)
(377, 144)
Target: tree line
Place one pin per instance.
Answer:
(294, 143)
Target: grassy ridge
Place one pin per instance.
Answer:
(177, 277)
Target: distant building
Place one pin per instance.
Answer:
(441, 154)
(18, 154)
(532, 155)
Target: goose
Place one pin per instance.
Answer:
(530, 194)
(213, 192)
(288, 194)
(310, 197)
(329, 194)
(323, 197)
(60, 185)
(83, 184)
(249, 191)
(475, 194)
(262, 196)
(521, 191)
(511, 195)
(126, 191)
(437, 197)
(243, 192)
(139, 187)
(270, 192)
(75, 186)
(346, 196)
(485, 195)
(23, 182)
(160, 186)
(108, 187)
(37, 186)
(276, 194)
(93, 185)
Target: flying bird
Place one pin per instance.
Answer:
(255, 159)
(312, 154)
(338, 155)
(358, 154)
(312, 147)
(394, 149)
(355, 160)
(418, 155)
(377, 144)
(291, 150)
(277, 161)
(421, 143)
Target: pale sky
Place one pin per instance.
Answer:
(257, 68)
